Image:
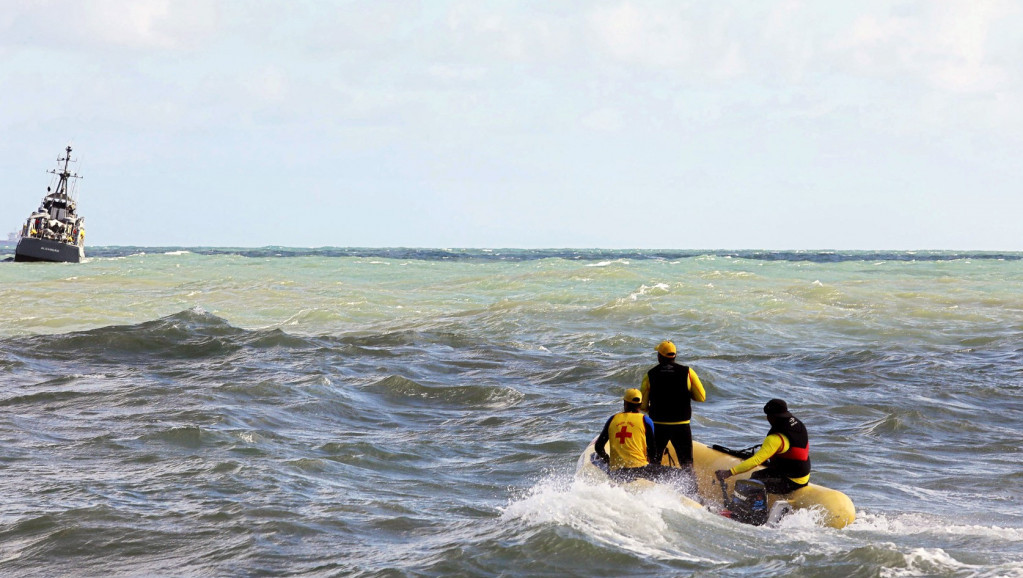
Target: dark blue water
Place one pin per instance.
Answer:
(429, 254)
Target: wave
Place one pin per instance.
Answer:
(405, 391)
(190, 334)
(653, 525)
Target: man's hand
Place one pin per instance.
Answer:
(722, 475)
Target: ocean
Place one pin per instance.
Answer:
(411, 412)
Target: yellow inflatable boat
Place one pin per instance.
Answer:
(836, 508)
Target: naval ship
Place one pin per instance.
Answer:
(55, 232)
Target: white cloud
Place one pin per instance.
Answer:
(269, 85)
(589, 99)
(145, 24)
(604, 120)
(456, 73)
(943, 44)
(133, 24)
(643, 37)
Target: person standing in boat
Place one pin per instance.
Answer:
(630, 437)
(785, 453)
(668, 392)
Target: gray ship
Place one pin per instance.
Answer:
(55, 232)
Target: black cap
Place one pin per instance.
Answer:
(776, 406)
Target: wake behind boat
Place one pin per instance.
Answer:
(835, 508)
(55, 232)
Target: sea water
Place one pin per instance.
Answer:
(404, 412)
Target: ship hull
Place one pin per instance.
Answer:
(33, 249)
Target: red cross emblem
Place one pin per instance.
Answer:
(622, 435)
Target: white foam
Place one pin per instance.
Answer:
(612, 515)
(929, 562)
(916, 524)
(656, 288)
(608, 263)
(808, 519)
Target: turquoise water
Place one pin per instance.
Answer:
(420, 412)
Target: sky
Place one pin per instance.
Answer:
(532, 124)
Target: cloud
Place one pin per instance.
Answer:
(636, 36)
(604, 120)
(119, 24)
(269, 85)
(576, 100)
(945, 45)
(948, 45)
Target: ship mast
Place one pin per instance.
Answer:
(64, 175)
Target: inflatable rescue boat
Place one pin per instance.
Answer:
(835, 508)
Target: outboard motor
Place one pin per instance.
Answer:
(749, 502)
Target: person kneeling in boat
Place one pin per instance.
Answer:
(785, 453)
(630, 436)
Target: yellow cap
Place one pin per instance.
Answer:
(666, 348)
(633, 396)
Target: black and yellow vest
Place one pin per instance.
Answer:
(795, 462)
(669, 400)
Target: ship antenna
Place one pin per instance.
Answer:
(62, 184)
(74, 186)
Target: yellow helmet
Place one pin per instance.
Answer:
(633, 396)
(666, 349)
